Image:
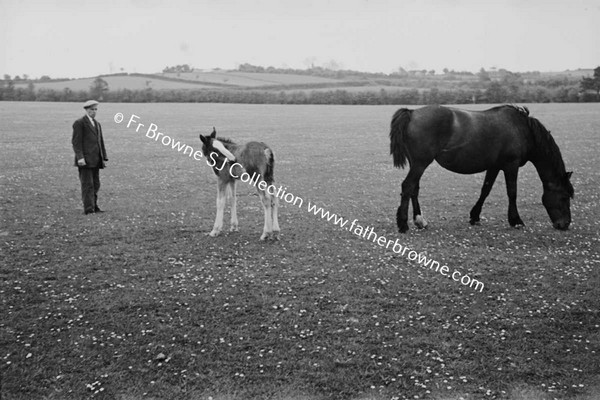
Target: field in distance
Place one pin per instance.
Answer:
(237, 80)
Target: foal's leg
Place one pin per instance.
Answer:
(274, 210)
(409, 189)
(234, 219)
(488, 182)
(221, 200)
(265, 199)
(510, 175)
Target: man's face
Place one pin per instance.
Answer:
(91, 111)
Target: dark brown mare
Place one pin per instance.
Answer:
(502, 138)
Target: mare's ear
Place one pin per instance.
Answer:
(204, 139)
(569, 174)
(214, 133)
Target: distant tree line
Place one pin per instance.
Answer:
(494, 94)
(592, 83)
(178, 68)
(503, 87)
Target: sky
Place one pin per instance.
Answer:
(74, 39)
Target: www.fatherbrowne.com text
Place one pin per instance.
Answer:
(369, 233)
(280, 192)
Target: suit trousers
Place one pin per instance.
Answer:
(90, 184)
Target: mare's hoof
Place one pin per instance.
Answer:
(517, 224)
(420, 222)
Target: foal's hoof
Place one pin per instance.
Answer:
(214, 233)
(474, 222)
(270, 235)
(403, 228)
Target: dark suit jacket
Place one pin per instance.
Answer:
(88, 143)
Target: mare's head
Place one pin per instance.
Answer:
(557, 200)
(547, 159)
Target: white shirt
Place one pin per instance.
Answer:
(92, 121)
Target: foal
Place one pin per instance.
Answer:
(230, 162)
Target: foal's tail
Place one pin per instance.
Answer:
(270, 166)
(399, 125)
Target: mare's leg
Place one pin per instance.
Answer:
(488, 182)
(510, 175)
(221, 200)
(409, 189)
(234, 219)
(274, 210)
(420, 222)
(265, 199)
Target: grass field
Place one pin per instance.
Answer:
(138, 303)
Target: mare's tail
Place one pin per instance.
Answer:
(399, 125)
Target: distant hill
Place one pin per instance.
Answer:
(249, 79)
(257, 85)
(119, 82)
(268, 81)
(214, 80)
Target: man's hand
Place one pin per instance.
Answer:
(81, 162)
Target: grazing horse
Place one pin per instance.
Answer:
(230, 162)
(502, 138)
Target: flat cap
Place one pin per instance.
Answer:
(90, 103)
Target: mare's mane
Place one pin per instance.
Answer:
(545, 146)
(544, 143)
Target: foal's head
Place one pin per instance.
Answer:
(557, 201)
(210, 144)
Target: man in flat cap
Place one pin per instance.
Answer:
(90, 156)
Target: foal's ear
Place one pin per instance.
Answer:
(569, 174)
(204, 139)
(214, 133)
